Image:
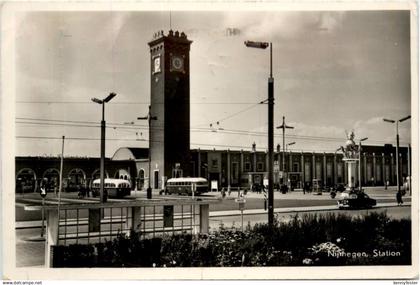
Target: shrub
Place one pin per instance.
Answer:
(302, 241)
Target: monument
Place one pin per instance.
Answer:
(351, 157)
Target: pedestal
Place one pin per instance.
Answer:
(351, 172)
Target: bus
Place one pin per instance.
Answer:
(115, 188)
(184, 185)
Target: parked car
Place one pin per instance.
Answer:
(339, 187)
(355, 200)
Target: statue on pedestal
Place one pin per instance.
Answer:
(351, 150)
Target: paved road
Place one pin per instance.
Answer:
(254, 200)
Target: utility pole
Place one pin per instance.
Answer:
(149, 119)
(360, 160)
(397, 157)
(284, 127)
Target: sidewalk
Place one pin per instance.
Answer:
(294, 210)
(297, 194)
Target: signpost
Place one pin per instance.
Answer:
(241, 202)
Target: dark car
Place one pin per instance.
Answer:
(356, 200)
(339, 187)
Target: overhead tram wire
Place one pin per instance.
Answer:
(131, 103)
(236, 113)
(145, 140)
(133, 127)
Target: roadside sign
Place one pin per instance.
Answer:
(241, 202)
(43, 192)
(265, 182)
(214, 185)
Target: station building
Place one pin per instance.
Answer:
(234, 168)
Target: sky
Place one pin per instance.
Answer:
(334, 72)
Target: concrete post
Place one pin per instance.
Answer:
(365, 178)
(345, 170)
(242, 162)
(199, 162)
(302, 169)
(290, 162)
(204, 219)
(52, 236)
(228, 169)
(383, 169)
(392, 169)
(335, 169)
(374, 169)
(135, 223)
(313, 167)
(324, 169)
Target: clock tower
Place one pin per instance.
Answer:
(170, 102)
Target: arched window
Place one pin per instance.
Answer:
(52, 176)
(76, 180)
(140, 180)
(26, 181)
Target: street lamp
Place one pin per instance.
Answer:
(264, 45)
(397, 157)
(289, 144)
(103, 197)
(360, 160)
(284, 127)
(149, 118)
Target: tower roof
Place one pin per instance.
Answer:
(173, 36)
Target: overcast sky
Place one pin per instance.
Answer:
(334, 71)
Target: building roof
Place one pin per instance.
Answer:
(131, 153)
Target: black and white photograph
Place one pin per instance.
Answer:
(239, 141)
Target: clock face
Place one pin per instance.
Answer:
(156, 64)
(177, 63)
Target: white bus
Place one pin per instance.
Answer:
(184, 185)
(116, 188)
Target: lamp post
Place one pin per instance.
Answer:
(397, 157)
(111, 95)
(289, 144)
(360, 171)
(284, 127)
(264, 45)
(290, 157)
(149, 118)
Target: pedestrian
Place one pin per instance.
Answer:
(405, 186)
(386, 185)
(399, 198)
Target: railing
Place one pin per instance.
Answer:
(84, 223)
(76, 225)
